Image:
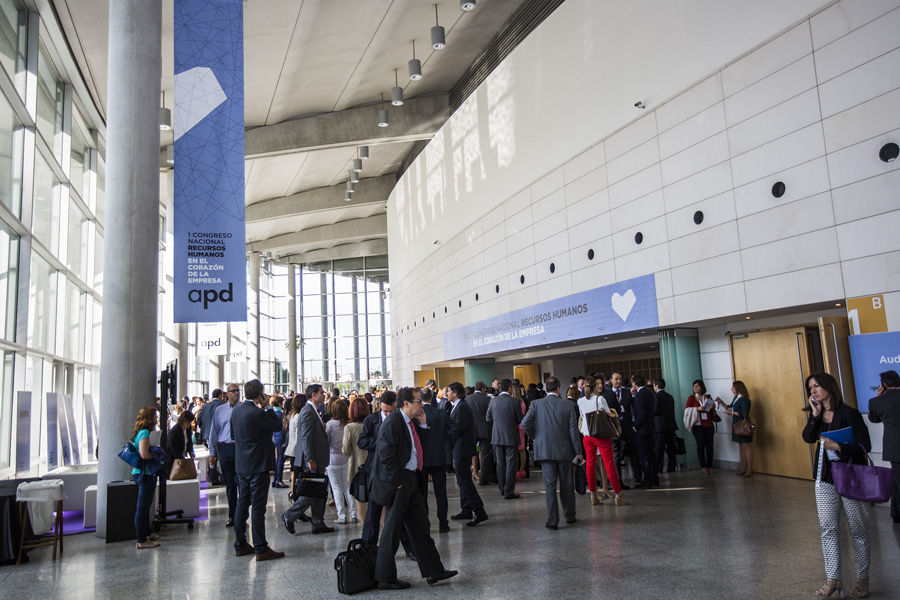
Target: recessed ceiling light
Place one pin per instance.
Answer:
(747, 317)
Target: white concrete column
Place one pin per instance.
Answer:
(131, 232)
(292, 326)
(253, 267)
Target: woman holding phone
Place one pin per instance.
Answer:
(739, 409)
(829, 413)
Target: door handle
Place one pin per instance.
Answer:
(837, 357)
(812, 463)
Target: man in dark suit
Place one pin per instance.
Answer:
(505, 412)
(645, 429)
(368, 439)
(624, 446)
(397, 483)
(552, 423)
(666, 426)
(204, 417)
(479, 402)
(313, 458)
(252, 429)
(436, 447)
(886, 409)
(463, 441)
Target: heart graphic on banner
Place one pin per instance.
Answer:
(623, 303)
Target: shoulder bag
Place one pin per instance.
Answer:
(129, 453)
(866, 483)
(601, 425)
(744, 428)
(359, 488)
(183, 468)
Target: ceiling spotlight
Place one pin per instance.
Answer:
(348, 196)
(165, 115)
(467, 5)
(396, 92)
(170, 159)
(383, 115)
(363, 152)
(415, 66)
(357, 164)
(438, 39)
(640, 105)
(354, 176)
(350, 187)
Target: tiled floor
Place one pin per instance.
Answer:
(701, 536)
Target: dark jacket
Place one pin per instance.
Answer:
(176, 444)
(479, 403)
(886, 409)
(392, 451)
(464, 434)
(665, 412)
(252, 429)
(205, 416)
(740, 405)
(844, 416)
(644, 408)
(368, 437)
(437, 448)
(625, 408)
(505, 412)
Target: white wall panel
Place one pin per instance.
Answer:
(705, 184)
(863, 121)
(716, 210)
(704, 244)
(872, 235)
(585, 162)
(878, 76)
(792, 254)
(789, 116)
(685, 105)
(806, 179)
(778, 87)
(584, 186)
(869, 41)
(547, 184)
(713, 272)
(654, 232)
(861, 161)
(635, 186)
(783, 153)
(785, 221)
(698, 157)
(693, 130)
(588, 209)
(631, 137)
(632, 161)
(840, 19)
(637, 211)
(642, 262)
(710, 303)
(866, 198)
(591, 229)
(553, 203)
(873, 275)
(807, 286)
(764, 61)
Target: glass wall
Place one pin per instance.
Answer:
(51, 227)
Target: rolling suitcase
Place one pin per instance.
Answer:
(356, 567)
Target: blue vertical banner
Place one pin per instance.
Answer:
(208, 120)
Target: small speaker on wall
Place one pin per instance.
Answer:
(638, 237)
(889, 152)
(591, 254)
(698, 217)
(778, 189)
(552, 268)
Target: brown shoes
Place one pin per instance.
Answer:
(269, 554)
(243, 550)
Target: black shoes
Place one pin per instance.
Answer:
(279, 485)
(229, 523)
(303, 517)
(323, 529)
(461, 516)
(444, 527)
(549, 526)
(445, 574)
(478, 519)
(243, 550)
(571, 521)
(512, 496)
(269, 554)
(397, 584)
(288, 524)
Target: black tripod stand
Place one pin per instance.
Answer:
(167, 382)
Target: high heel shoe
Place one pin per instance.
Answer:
(860, 589)
(830, 587)
(620, 501)
(605, 495)
(595, 499)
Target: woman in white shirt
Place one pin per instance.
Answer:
(592, 401)
(292, 448)
(338, 463)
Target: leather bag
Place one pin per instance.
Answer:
(183, 468)
(744, 428)
(359, 486)
(312, 487)
(603, 426)
(356, 567)
(866, 483)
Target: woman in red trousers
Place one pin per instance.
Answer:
(592, 401)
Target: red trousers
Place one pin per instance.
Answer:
(591, 446)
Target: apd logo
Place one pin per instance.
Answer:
(210, 296)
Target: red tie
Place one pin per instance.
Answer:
(419, 457)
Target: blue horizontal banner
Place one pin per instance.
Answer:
(625, 306)
(871, 354)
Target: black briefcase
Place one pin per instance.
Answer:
(312, 487)
(356, 567)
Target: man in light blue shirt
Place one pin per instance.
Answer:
(221, 447)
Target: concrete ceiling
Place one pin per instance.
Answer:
(319, 65)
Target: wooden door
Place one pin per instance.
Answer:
(527, 374)
(773, 365)
(447, 375)
(834, 332)
(422, 376)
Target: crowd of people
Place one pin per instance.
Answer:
(377, 452)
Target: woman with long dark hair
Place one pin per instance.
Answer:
(293, 428)
(145, 480)
(704, 427)
(739, 409)
(827, 412)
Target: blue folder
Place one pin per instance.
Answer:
(841, 436)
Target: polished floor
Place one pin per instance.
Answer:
(700, 536)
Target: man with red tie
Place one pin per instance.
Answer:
(398, 485)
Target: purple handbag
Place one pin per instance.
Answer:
(866, 483)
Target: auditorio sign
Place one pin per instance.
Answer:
(625, 306)
(871, 354)
(210, 247)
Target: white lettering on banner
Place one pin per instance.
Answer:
(890, 360)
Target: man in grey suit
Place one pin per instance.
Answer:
(313, 457)
(505, 412)
(552, 423)
(478, 402)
